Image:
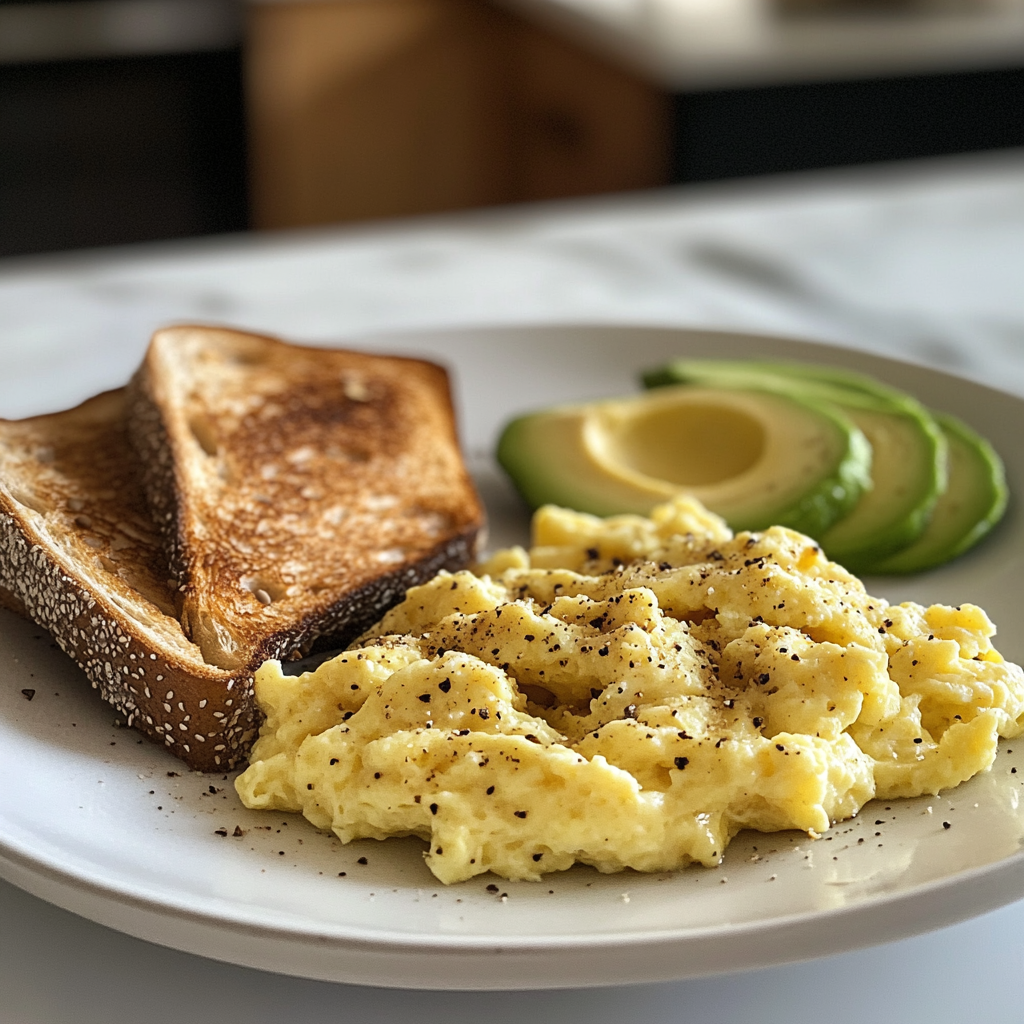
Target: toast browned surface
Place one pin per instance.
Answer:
(334, 483)
(81, 555)
(300, 490)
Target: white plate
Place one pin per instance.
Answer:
(102, 823)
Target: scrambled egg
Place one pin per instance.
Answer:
(630, 693)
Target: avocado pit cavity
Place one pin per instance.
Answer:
(754, 457)
(683, 444)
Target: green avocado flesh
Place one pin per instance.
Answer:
(755, 457)
(908, 471)
(973, 502)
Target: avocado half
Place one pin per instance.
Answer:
(909, 456)
(756, 457)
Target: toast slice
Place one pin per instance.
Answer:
(81, 555)
(299, 491)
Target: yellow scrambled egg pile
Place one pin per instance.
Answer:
(631, 693)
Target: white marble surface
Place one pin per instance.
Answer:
(924, 261)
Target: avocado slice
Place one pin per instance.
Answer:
(973, 502)
(755, 457)
(909, 449)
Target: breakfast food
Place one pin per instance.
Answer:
(756, 457)
(299, 490)
(973, 502)
(908, 450)
(912, 491)
(81, 555)
(630, 693)
(292, 494)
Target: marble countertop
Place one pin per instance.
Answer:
(921, 261)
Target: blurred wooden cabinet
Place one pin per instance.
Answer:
(376, 108)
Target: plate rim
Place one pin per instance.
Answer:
(34, 871)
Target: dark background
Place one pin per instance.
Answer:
(102, 151)
(736, 132)
(96, 152)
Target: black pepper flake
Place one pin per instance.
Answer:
(490, 790)
(946, 824)
(520, 814)
(682, 762)
(445, 686)
(1013, 771)
(238, 833)
(28, 694)
(376, 775)
(779, 746)
(484, 714)
(334, 760)
(629, 711)
(529, 637)
(918, 739)
(433, 808)
(425, 697)
(537, 857)
(492, 888)
(763, 678)
(220, 832)
(362, 860)
(758, 722)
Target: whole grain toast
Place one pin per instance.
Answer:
(299, 490)
(81, 555)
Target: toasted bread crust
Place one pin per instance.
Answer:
(81, 554)
(299, 490)
(69, 491)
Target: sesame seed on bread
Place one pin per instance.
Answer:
(242, 499)
(81, 555)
